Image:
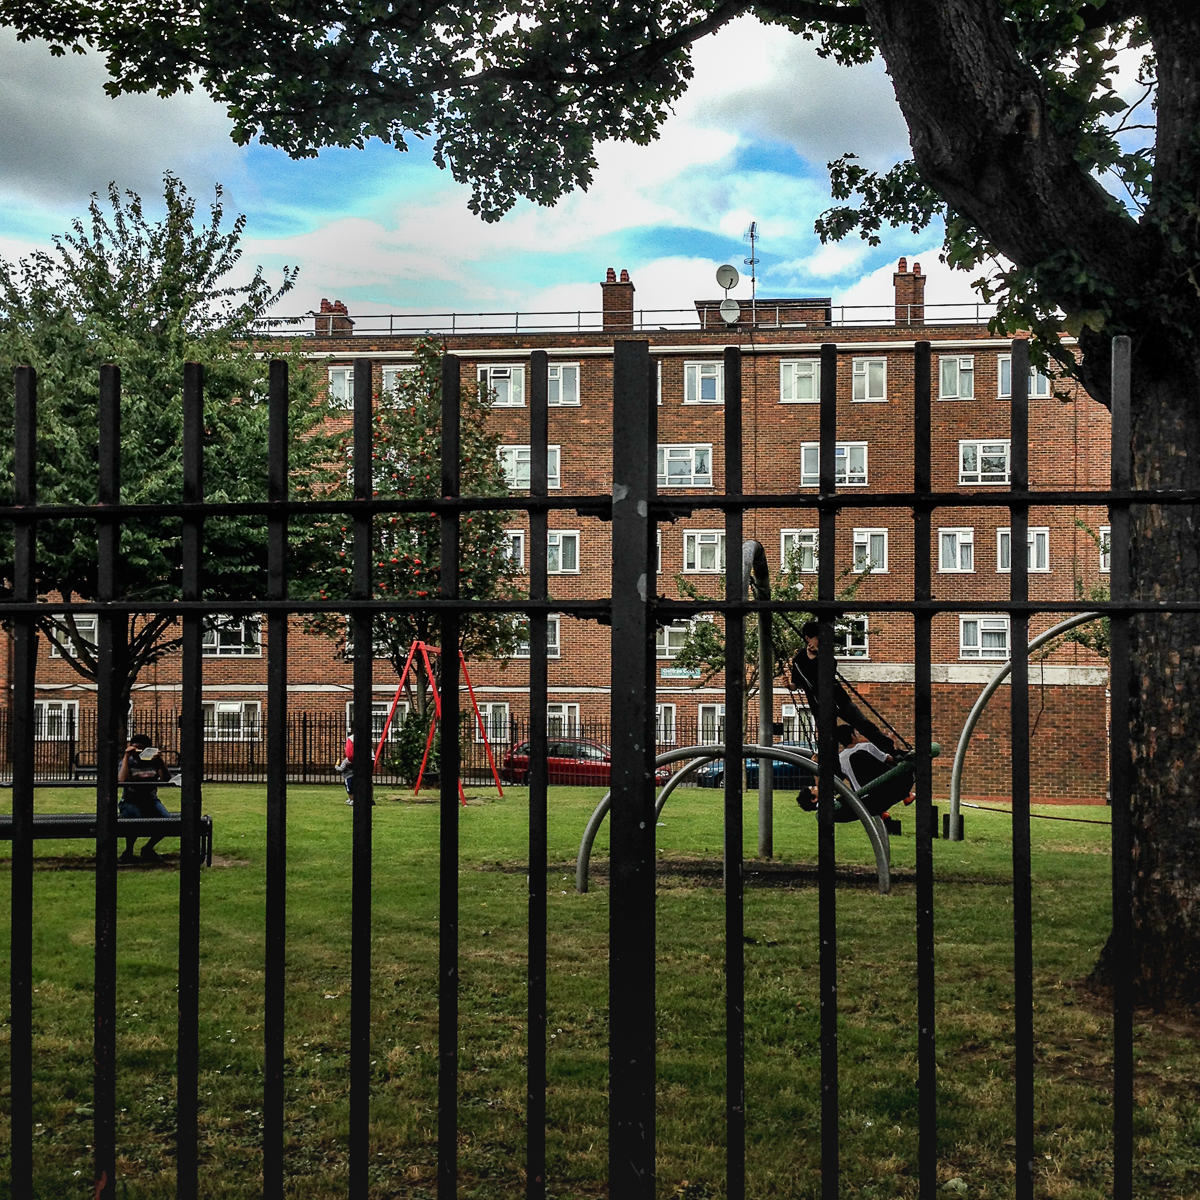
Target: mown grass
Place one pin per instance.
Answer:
(876, 1010)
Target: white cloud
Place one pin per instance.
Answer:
(943, 286)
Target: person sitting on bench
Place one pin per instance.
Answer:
(142, 775)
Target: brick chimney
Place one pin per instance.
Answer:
(617, 300)
(910, 294)
(334, 320)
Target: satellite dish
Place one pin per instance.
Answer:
(727, 277)
(731, 310)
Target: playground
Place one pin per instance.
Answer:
(973, 920)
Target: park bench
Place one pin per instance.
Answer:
(83, 825)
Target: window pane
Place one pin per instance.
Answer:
(875, 374)
(570, 553)
(949, 377)
(966, 556)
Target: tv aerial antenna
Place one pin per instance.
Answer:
(751, 236)
(730, 310)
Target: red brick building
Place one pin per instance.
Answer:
(781, 346)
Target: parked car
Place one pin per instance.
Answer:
(575, 761)
(783, 774)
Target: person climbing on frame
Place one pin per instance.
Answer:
(862, 763)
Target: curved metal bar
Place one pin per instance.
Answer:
(756, 574)
(964, 738)
(703, 754)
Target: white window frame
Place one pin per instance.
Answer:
(58, 715)
(852, 637)
(794, 723)
(495, 716)
(516, 460)
(553, 636)
(977, 477)
(379, 712)
(568, 714)
(83, 622)
(663, 648)
(863, 538)
(963, 535)
(684, 452)
(341, 387)
(1105, 533)
(250, 634)
(694, 540)
(696, 373)
(658, 551)
(995, 623)
(810, 458)
(712, 717)
(955, 371)
(792, 371)
(557, 540)
(664, 724)
(557, 376)
(658, 373)
(800, 540)
(1040, 385)
(860, 374)
(391, 373)
(247, 730)
(512, 373)
(514, 547)
(1039, 550)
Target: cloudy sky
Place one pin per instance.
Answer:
(385, 231)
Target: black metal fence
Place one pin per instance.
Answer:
(633, 611)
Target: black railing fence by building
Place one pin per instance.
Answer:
(634, 509)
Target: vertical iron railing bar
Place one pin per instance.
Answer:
(631, 920)
(1121, 684)
(1018, 559)
(539, 436)
(110, 637)
(927, 1142)
(192, 700)
(827, 753)
(23, 771)
(448, 903)
(275, 917)
(362, 626)
(734, 851)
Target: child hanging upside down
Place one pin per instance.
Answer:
(861, 763)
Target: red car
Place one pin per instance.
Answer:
(573, 761)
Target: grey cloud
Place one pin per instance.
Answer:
(62, 137)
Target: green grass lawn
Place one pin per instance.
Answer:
(877, 1000)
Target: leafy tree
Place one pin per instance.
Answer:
(407, 566)
(1020, 143)
(148, 296)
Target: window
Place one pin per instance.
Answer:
(505, 385)
(552, 645)
(232, 720)
(849, 464)
(704, 551)
(232, 637)
(712, 724)
(379, 712)
(869, 379)
(563, 384)
(703, 383)
(1105, 532)
(658, 551)
(800, 381)
(983, 462)
(87, 629)
(1039, 550)
(669, 640)
(514, 547)
(685, 466)
(1039, 383)
(494, 716)
(515, 461)
(341, 386)
(658, 375)
(799, 545)
(957, 378)
(797, 724)
(870, 549)
(664, 724)
(850, 637)
(562, 720)
(562, 553)
(956, 550)
(55, 720)
(393, 376)
(983, 637)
